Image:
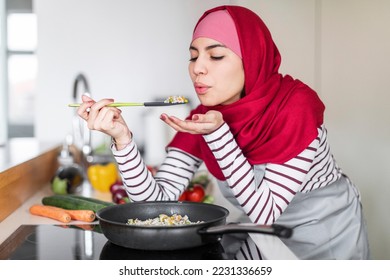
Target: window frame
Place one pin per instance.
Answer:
(9, 129)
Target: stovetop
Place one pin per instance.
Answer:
(86, 242)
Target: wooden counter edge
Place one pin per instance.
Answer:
(20, 182)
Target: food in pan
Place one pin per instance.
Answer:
(163, 220)
(176, 99)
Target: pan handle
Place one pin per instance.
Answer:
(278, 230)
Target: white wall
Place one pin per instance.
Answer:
(129, 50)
(3, 87)
(293, 27)
(138, 50)
(355, 87)
(342, 49)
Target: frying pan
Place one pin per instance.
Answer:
(113, 219)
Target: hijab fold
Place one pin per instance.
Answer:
(276, 119)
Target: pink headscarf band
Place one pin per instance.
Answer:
(219, 26)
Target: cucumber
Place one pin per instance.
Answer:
(107, 203)
(71, 202)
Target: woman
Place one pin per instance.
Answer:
(261, 134)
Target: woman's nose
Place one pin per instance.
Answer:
(199, 67)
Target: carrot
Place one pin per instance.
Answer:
(82, 215)
(48, 212)
(79, 215)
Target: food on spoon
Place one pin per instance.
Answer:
(176, 99)
(163, 220)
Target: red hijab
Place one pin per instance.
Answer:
(276, 119)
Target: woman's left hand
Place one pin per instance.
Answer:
(199, 124)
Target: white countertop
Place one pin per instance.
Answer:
(22, 215)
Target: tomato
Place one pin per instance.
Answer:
(183, 196)
(123, 200)
(196, 193)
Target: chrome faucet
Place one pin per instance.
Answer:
(82, 134)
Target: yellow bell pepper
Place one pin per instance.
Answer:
(102, 176)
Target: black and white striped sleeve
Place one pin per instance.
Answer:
(262, 201)
(172, 177)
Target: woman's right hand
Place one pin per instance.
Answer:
(105, 119)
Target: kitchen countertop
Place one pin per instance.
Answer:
(21, 216)
(271, 247)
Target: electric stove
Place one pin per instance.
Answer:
(86, 242)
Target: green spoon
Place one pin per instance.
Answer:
(171, 100)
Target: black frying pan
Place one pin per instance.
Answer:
(113, 221)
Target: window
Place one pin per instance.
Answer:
(21, 67)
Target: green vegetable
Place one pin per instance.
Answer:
(208, 199)
(202, 179)
(72, 202)
(59, 186)
(67, 179)
(93, 200)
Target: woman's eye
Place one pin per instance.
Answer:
(217, 57)
(192, 59)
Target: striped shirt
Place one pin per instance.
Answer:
(263, 196)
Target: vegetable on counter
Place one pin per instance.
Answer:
(102, 176)
(67, 179)
(91, 199)
(73, 202)
(78, 215)
(196, 190)
(195, 193)
(62, 215)
(48, 212)
(118, 193)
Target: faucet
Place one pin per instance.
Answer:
(82, 134)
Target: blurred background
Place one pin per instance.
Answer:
(138, 51)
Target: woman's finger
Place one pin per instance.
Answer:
(95, 109)
(86, 98)
(106, 118)
(171, 122)
(199, 124)
(188, 125)
(83, 110)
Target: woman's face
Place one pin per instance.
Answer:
(216, 71)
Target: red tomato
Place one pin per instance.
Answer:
(123, 200)
(196, 193)
(183, 196)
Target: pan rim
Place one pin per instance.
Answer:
(100, 218)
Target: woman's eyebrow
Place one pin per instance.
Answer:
(209, 47)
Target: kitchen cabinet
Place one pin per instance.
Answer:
(21, 181)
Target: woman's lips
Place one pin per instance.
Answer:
(201, 88)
